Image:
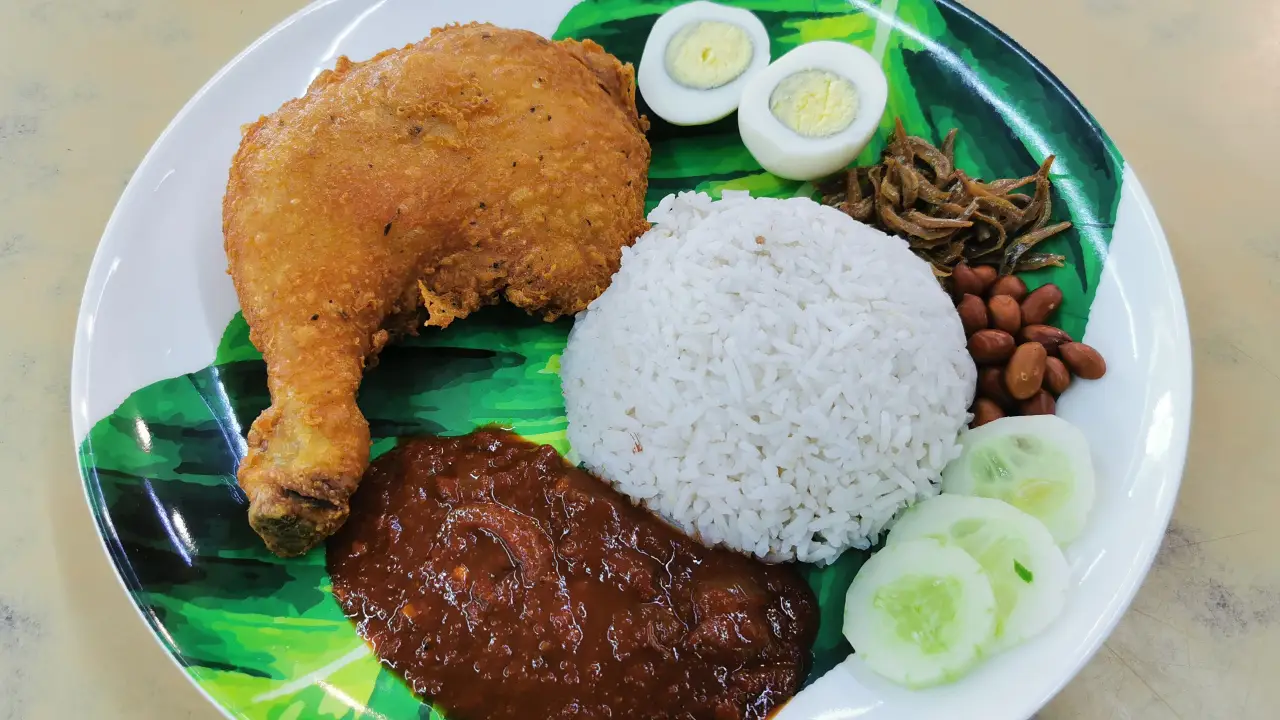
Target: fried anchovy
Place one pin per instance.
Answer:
(935, 223)
(853, 187)
(910, 181)
(1037, 213)
(1025, 242)
(949, 148)
(861, 210)
(1035, 261)
(895, 222)
(945, 215)
(991, 228)
(931, 156)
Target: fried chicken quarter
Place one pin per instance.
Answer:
(476, 165)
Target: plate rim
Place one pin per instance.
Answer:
(1180, 434)
(90, 489)
(1182, 372)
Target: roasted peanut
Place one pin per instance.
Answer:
(965, 281)
(1025, 371)
(987, 274)
(1056, 376)
(1005, 313)
(1083, 360)
(989, 347)
(985, 411)
(1040, 404)
(1040, 304)
(1010, 285)
(1050, 337)
(973, 314)
(991, 386)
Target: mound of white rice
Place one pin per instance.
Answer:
(770, 375)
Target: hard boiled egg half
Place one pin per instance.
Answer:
(698, 59)
(810, 113)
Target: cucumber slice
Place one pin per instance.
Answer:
(1039, 464)
(919, 612)
(1027, 571)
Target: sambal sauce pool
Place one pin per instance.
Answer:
(502, 582)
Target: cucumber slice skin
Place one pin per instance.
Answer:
(920, 613)
(1028, 572)
(1039, 464)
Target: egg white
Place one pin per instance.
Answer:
(784, 152)
(681, 105)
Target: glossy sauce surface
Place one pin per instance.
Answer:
(503, 583)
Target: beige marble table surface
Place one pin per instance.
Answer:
(1189, 90)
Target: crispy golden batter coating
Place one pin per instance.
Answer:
(478, 164)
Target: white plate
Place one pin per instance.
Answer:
(157, 302)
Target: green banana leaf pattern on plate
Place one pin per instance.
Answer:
(263, 636)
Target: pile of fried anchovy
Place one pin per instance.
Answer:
(917, 193)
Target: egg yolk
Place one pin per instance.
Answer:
(706, 55)
(814, 103)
